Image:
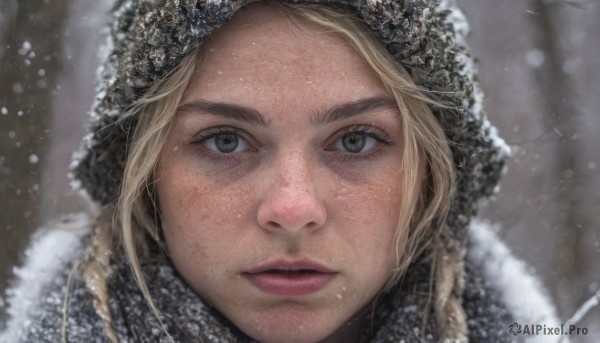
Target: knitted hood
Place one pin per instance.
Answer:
(148, 38)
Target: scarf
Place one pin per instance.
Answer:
(400, 315)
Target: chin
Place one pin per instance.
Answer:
(290, 325)
(286, 337)
(300, 334)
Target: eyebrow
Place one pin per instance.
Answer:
(225, 110)
(254, 117)
(351, 109)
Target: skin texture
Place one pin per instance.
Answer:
(290, 189)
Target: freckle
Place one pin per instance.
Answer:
(200, 249)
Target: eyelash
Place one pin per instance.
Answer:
(212, 132)
(203, 136)
(368, 130)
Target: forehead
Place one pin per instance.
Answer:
(263, 54)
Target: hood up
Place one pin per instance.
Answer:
(148, 38)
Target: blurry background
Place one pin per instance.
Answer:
(540, 67)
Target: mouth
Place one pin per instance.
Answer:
(291, 272)
(290, 278)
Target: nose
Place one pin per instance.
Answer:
(291, 202)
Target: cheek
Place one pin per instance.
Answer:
(368, 215)
(200, 220)
(376, 201)
(182, 214)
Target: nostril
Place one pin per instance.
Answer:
(311, 225)
(273, 224)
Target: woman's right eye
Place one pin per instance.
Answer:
(221, 141)
(226, 143)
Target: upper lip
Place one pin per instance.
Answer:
(290, 265)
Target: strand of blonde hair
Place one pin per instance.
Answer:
(449, 285)
(96, 271)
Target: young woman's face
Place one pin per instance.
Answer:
(279, 184)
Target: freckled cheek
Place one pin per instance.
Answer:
(368, 215)
(181, 220)
(197, 216)
(370, 202)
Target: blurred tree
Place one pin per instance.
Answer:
(561, 120)
(28, 73)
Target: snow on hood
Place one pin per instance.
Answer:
(51, 249)
(521, 291)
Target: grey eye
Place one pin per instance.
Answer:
(354, 142)
(226, 143)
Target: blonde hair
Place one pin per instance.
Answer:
(426, 153)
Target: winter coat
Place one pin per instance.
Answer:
(499, 290)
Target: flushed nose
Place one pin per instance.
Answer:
(291, 202)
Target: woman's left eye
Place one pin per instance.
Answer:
(356, 142)
(226, 143)
(360, 140)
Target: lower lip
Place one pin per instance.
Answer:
(290, 284)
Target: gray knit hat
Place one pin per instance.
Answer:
(148, 38)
